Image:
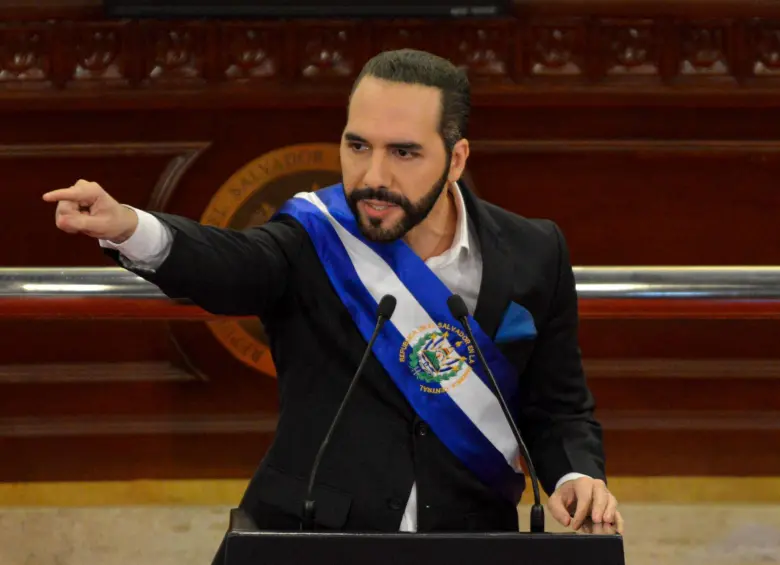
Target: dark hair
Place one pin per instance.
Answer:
(410, 66)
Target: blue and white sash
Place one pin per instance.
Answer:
(422, 347)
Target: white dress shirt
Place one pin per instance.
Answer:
(459, 268)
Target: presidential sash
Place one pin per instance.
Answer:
(422, 347)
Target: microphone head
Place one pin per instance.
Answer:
(386, 306)
(457, 307)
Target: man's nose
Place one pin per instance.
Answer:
(377, 174)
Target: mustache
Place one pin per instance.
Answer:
(379, 194)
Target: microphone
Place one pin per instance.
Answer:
(384, 313)
(460, 312)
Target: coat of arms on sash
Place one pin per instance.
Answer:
(439, 356)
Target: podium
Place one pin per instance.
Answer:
(246, 545)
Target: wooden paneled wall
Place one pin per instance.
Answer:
(650, 131)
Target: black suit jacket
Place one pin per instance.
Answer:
(382, 447)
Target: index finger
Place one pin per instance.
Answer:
(558, 510)
(71, 194)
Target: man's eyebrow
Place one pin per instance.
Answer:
(354, 137)
(403, 145)
(406, 145)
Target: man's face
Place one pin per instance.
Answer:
(394, 163)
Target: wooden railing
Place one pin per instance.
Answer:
(604, 292)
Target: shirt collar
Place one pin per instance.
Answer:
(460, 242)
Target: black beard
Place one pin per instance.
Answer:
(414, 213)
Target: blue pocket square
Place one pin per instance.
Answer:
(518, 323)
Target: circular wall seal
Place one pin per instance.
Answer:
(249, 198)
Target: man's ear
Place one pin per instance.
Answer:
(460, 154)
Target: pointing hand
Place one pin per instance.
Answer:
(86, 208)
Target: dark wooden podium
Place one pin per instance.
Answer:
(246, 545)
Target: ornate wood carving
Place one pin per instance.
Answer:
(487, 52)
(763, 48)
(706, 50)
(97, 55)
(629, 49)
(26, 56)
(607, 53)
(557, 50)
(251, 51)
(173, 55)
(328, 51)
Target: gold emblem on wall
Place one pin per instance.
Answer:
(250, 197)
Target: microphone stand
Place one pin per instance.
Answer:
(460, 312)
(385, 312)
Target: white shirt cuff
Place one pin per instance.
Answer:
(149, 245)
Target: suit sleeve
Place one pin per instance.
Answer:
(557, 411)
(225, 271)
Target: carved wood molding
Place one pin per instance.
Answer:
(68, 426)
(183, 155)
(682, 368)
(689, 420)
(121, 149)
(689, 147)
(258, 62)
(119, 372)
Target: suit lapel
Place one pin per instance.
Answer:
(497, 270)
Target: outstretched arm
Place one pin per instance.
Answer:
(224, 271)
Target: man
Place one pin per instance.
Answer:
(422, 445)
